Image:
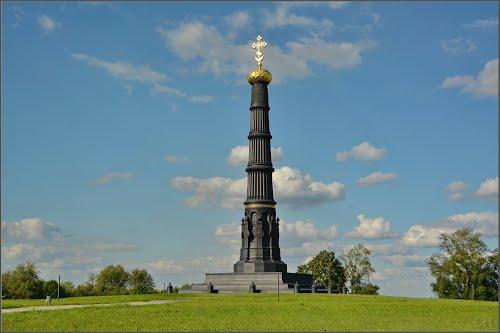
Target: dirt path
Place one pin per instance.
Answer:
(76, 306)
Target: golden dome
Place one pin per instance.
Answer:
(259, 75)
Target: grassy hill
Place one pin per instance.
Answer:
(259, 312)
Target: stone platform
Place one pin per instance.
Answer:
(240, 282)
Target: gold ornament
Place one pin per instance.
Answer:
(260, 74)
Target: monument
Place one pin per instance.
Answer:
(260, 267)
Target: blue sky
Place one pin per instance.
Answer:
(124, 131)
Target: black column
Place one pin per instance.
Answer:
(260, 231)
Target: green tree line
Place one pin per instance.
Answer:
(24, 282)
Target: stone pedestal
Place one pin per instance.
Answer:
(265, 282)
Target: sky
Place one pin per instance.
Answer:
(124, 133)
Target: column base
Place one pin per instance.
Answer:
(256, 266)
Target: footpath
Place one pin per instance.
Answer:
(77, 306)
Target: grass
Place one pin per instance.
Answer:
(262, 312)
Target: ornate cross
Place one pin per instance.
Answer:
(259, 44)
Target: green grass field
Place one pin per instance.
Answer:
(260, 312)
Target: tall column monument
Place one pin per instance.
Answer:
(260, 267)
(260, 251)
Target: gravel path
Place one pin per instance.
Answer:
(76, 306)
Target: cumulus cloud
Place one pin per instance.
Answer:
(483, 23)
(282, 16)
(228, 234)
(164, 89)
(376, 178)
(484, 222)
(488, 188)
(29, 229)
(216, 191)
(123, 70)
(364, 151)
(199, 42)
(23, 252)
(426, 236)
(305, 231)
(168, 266)
(455, 186)
(301, 238)
(43, 243)
(404, 260)
(336, 5)
(239, 155)
(368, 228)
(238, 19)
(456, 197)
(197, 265)
(485, 84)
(174, 159)
(290, 188)
(48, 24)
(111, 176)
(458, 45)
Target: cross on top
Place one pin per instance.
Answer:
(259, 44)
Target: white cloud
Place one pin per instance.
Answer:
(455, 186)
(290, 187)
(228, 234)
(301, 238)
(29, 229)
(164, 89)
(482, 23)
(404, 260)
(458, 45)
(364, 151)
(216, 191)
(110, 176)
(197, 265)
(332, 55)
(167, 266)
(376, 228)
(239, 155)
(282, 16)
(336, 5)
(173, 159)
(123, 70)
(427, 236)
(201, 43)
(488, 188)
(238, 19)
(485, 84)
(484, 222)
(376, 178)
(48, 24)
(22, 252)
(386, 249)
(456, 197)
(305, 231)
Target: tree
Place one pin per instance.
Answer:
(462, 268)
(50, 288)
(357, 270)
(366, 289)
(112, 280)
(141, 282)
(186, 285)
(67, 289)
(23, 282)
(325, 269)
